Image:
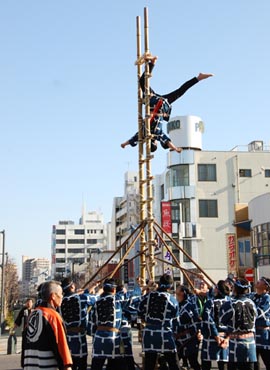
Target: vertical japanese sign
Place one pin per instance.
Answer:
(166, 217)
(126, 269)
(231, 253)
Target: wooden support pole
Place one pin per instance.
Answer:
(185, 253)
(127, 252)
(140, 226)
(141, 150)
(126, 262)
(174, 258)
(197, 274)
(148, 136)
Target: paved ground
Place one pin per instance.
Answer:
(12, 362)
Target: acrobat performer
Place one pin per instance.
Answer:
(164, 111)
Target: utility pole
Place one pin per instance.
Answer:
(2, 280)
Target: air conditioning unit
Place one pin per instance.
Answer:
(255, 146)
(188, 230)
(182, 231)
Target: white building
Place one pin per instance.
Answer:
(259, 214)
(203, 189)
(125, 217)
(126, 212)
(72, 244)
(34, 272)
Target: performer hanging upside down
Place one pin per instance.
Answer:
(164, 112)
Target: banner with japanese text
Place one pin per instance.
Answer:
(166, 216)
(231, 253)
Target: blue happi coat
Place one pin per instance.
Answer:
(105, 320)
(211, 329)
(74, 310)
(187, 328)
(239, 315)
(159, 310)
(262, 323)
(125, 329)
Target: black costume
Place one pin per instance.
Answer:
(163, 113)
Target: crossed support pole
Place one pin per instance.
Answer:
(163, 237)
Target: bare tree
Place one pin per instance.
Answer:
(11, 286)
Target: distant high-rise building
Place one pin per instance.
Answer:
(125, 217)
(72, 244)
(34, 272)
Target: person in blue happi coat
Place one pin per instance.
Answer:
(262, 325)
(188, 329)
(125, 330)
(74, 310)
(159, 311)
(106, 320)
(238, 315)
(213, 332)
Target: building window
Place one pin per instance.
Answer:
(267, 173)
(60, 260)
(162, 192)
(244, 250)
(179, 175)
(60, 241)
(245, 172)
(75, 241)
(76, 250)
(187, 246)
(79, 232)
(207, 172)
(208, 208)
(261, 234)
(60, 231)
(92, 241)
(60, 251)
(60, 269)
(180, 210)
(76, 261)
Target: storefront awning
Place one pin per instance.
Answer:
(246, 224)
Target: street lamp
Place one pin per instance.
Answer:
(2, 280)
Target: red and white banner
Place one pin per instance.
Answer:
(231, 253)
(166, 216)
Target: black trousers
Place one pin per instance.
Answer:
(192, 359)
(79, 363)
(265, 355)
(173, 95)
(206, 365)
(240, 365)
(113, 364)
(171, 358)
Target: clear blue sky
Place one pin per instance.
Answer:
(68, 97)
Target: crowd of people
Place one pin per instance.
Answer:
(227, 324)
